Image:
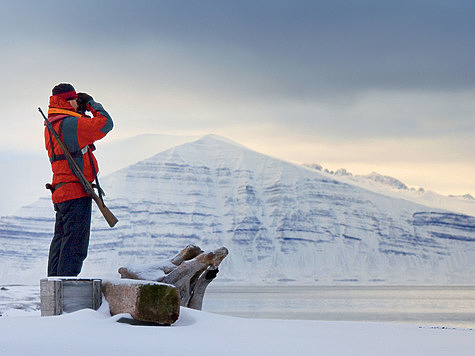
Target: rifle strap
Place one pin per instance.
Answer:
(99, 189)
(53, 156)
(76, 154)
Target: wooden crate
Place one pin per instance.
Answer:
(65, 295)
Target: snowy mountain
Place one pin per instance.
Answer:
(386, 180)
(23, 178)
(467, 197)
(280, 222)
(464, 204)
(118, 154)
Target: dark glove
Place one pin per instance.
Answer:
(82, 100)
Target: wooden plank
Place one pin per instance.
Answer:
(68, 295)
(77, 295)
(51, 297)
(96, 294)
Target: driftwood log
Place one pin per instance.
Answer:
(191, 271)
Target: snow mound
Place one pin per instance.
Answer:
(88, 332)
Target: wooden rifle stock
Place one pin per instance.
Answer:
(110, 218)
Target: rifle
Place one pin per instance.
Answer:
(110, 218)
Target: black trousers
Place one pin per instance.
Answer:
(69, 246)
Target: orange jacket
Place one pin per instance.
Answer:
(78, 132)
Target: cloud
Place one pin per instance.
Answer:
(285, 48)
(344, 73)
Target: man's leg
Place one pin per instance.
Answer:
(55, 246)
(76, 231)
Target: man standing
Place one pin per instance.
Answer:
(72, 204)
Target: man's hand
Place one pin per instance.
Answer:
(82, 100)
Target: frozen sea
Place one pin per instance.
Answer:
(437, 306)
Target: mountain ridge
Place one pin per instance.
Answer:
(394, 187)
(115, 155)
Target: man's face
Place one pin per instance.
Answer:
(74, 103)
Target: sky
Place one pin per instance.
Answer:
(386, 86)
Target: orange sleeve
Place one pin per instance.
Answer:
(92, 129)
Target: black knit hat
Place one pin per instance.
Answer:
(66, 91)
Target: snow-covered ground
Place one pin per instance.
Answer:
(89, 332)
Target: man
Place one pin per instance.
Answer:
(72, 204)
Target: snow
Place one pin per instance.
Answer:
(89, 332)
(151, 271)
(125, 281)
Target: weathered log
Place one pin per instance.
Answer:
(196, 300)
(191, 271)
(188, 253)
(156, 271)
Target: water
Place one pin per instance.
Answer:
(439, 306)
(19, 297)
